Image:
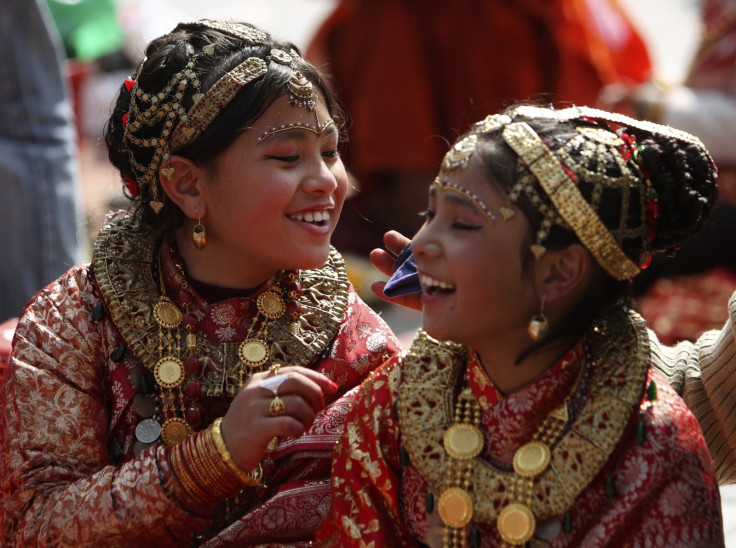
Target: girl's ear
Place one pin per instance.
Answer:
(563, 273)
(184, 186)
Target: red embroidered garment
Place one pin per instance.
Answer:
(633, 471)
(69, 470)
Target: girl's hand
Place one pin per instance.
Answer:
(385, 261)
(252, 421)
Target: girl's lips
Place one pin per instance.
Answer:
(315, 216)
(317, 223)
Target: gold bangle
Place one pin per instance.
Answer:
(213, 471)
(248, 478)
(188, 482)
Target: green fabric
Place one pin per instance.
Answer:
(89, 28)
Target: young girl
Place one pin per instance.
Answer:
(543, 421)
(157, 396)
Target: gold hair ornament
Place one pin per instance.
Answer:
(182, 126)
(555, 171)
(567, 200)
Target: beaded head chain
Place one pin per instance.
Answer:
(552, 179)
(179, 125)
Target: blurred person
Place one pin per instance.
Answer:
(419, 84)
(38, 157)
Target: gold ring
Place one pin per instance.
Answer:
(277, 407)
(274, 369)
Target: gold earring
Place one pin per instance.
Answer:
(538, 326)
(199, 234)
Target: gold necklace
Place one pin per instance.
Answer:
(178, 409)
(431, 370)
(464, 441)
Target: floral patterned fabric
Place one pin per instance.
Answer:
(70, 471)
(659, 491)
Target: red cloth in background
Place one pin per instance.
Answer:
(412, 74)
(682, 307)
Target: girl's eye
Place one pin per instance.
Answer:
(463, 226)
(287, 159)
(427, 214)
(331, 154)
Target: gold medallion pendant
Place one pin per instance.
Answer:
(455, 507)
(166, 314)
(271, 305)
(169, 372)
(175, 430)
(516, 524)
(254, 352)
(463, 441)
(531, 459)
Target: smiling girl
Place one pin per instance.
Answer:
(527, 409)
(187, 387)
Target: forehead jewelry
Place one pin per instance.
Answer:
(316, 129)
(182, 125)
(444, 184)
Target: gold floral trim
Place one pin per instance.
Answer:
(123, 261)
(619, 350)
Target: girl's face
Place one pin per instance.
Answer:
(474, 290)
(274, 196)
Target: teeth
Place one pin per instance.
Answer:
(431, 282)
(312, 216)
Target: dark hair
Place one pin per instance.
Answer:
(169, 55)
(681, 174)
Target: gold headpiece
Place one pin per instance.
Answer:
(586, 155)
(182, 126)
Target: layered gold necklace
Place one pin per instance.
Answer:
(464, 442)
(125, 259)
(177, 376)
(442, 436)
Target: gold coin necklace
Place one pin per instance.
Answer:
(177, 376)
(464, 441)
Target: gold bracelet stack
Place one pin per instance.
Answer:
(248, 478)
(206, 469)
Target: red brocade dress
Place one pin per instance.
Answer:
(628, 468)
(74, 472)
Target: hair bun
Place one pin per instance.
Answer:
(684, 178)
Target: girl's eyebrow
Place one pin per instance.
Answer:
(463, 197)
(298, 131)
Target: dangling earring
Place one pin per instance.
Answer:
(538, 326)
(199, 234)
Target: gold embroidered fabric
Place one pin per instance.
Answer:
(619, 351)
(122, 261)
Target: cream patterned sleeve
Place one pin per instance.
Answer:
(704, 373)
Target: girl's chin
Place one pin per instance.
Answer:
(436, 332)
(314, 260)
